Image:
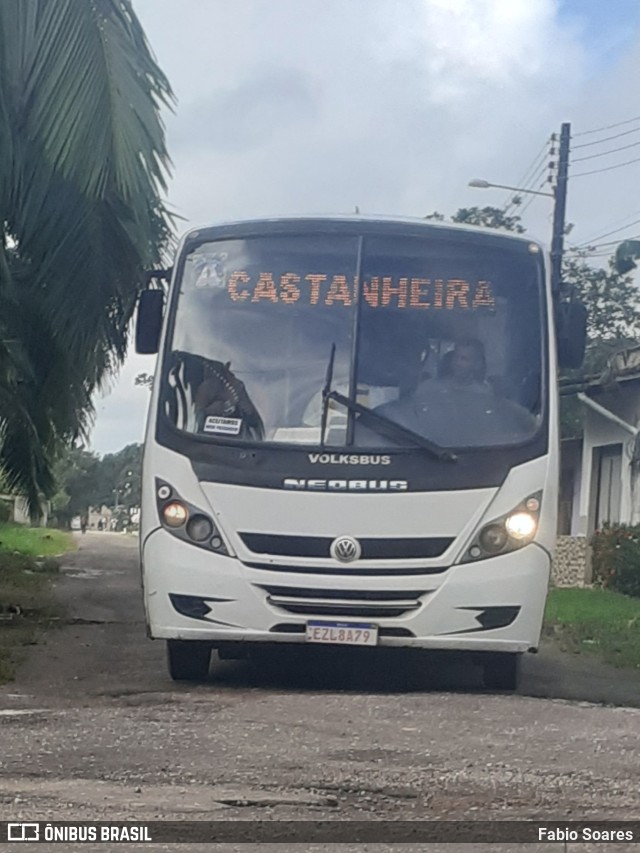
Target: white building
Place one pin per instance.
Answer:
(601, 473)
(19, 513)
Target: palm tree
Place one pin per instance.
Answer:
(82, 168)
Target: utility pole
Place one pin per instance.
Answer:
(559, 209)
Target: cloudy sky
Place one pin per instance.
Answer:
(316, 106)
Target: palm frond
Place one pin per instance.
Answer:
(82, 164)
(92, 59)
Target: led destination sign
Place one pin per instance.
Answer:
(377, 291)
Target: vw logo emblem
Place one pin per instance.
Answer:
(346, 549)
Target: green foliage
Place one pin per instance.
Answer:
(34, 541)
(88, 481)
(595, 621)
(121, 471)
(613, 303)
(488, 217)
(82, 166)
(616, 558)
(76, 473)
(612, 298)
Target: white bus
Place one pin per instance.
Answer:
(352, 439)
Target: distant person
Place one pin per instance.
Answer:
(83, 524)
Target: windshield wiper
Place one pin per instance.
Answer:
(385, 426)
(381, 424)
(326, 391)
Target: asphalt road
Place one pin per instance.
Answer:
(93, 729)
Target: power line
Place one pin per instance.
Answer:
(607, 168)
(607, 127)
(530, 200)
(604, 153)
(615, 223)
(598, 246)
(608, 233)
(606, 138)
(510, 208)
(530, 175)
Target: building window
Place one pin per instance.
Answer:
(609, 484)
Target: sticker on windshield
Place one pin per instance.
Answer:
(210, 270)
(222, 426)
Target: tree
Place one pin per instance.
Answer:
(488, 217)
(76, 473)
(612, 298)
(82, 165)
(84, 480)
(120, 472)
(613, 304)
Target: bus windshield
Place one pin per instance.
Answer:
(442, 334)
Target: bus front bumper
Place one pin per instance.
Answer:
(491, 605)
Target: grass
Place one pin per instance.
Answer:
(35, 541)
(27, 567)
(596, 621)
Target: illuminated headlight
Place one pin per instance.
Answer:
(507, 533)
(521, 525)
(175, 514)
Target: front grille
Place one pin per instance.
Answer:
(350, 570)
(380, 548)
(331, 602)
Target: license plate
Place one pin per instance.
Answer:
(342, 633)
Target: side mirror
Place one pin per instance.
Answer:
(571, 330)
(149, 321)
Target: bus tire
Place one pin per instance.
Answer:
(188, 660)
(501, 671)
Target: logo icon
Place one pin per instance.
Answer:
(346, 549)
(23, 832)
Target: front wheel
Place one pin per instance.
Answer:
(502, 671)
(188, 660)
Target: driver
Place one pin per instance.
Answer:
(465, 366)
(459, 408)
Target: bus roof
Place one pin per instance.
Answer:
(356, 222)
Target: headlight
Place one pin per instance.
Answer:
(521, 525)
(507, 533)
(199, 528)
(493, 538)
(175, 514)
(186, 521)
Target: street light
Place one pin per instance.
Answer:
(559, 196)
(481, 184)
